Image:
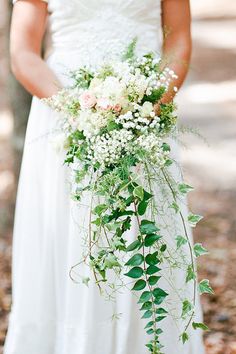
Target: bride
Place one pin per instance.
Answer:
(50, 313)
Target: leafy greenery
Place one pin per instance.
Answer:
(204, 287)
(124, 196)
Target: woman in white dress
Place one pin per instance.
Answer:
(50, 313)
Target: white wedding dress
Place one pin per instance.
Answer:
(51, 314)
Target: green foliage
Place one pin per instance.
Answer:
(168, 119)
(199, 325)
(175, 206)
(152, 280)
(135, 272)
(184, 337)
(184, 188)
(199, 250)
(155, 96)
(138, 192)
(148, 227)
(191, 275)
(146, 296)
(180, 241)
(135, 260)
(121, 197)
(129, 53)
(82, 77)
(151, 239)
(139, 285)
(193, 219)
(152, 269)
(186, 307)
(134, 245)
(152, 259)
(204, 287)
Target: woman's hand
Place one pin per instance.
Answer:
(176, 24)
(27, 30)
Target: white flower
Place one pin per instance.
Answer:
(146, 109)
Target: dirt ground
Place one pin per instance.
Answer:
(207, 102)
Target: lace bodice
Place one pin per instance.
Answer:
(85, 31)
(97, 28)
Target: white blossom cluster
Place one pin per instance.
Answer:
(107, 149)
(117, 94)
(152, 145)
(143, 118)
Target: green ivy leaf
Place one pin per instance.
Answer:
(184, 188)
(147, 196)
(200, 325)
(139, 285)
(85, 280)
(135, 272)
(175, 207)
(160, 318)
(151, 239)
(147, 314)
(134, 245)
(138, 192)
(136, 260)
(190, 274)
(111, 261)
(153, 280)
(159, 295)
(166, 147)
(186, 307)
(99, 209)
(152, 269)
(148, 227)
(199, 250)
(204, 287)
(149, 324)
(184, 337)
(163, 248)
(180, 241)
(146, 306)
(161, 311)
(168, 162)
(152, 259)
(150, 331)
(146, 296)
(193, 219)
(142, 207)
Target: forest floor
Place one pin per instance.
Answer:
(207, 103)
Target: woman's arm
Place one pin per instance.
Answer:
(176, 24)
(27, 30)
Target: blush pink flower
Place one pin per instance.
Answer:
(117, 108)
(87, 99)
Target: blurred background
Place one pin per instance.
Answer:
(207, 103)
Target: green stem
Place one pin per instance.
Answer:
(190, 249)
(146, 279)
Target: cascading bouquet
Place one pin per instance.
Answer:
(117, 147)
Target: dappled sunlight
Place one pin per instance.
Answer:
(207, 92)
(6, 124)
(215, 165)
(213, 35)
(7, 181)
